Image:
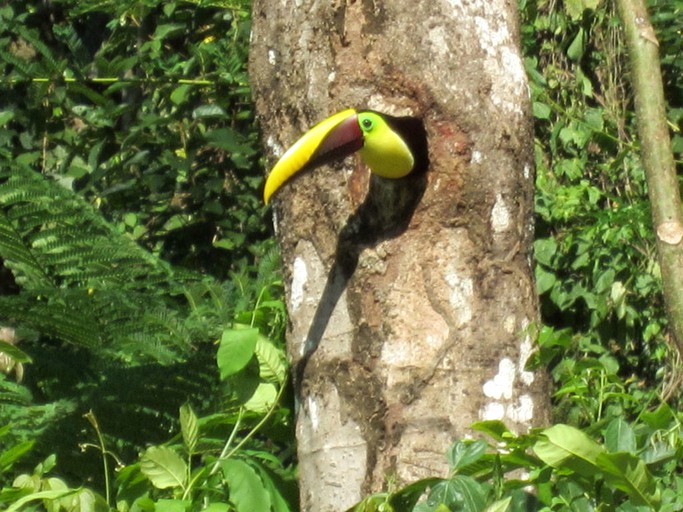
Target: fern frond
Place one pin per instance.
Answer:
(19, 255)
(50, 61)
(82, 281)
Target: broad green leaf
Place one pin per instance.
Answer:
(374, 503)
(661, 418)
(463, 453)
(15, 353)
(460, 492)
(39, 496)
(221, 507)
(180, 93)
(167, 29)
(189, 427)
(575, 8)
(568, 447)
(494, 428)
(272, 367)
(407, 497)
(544, 280)
(619, 437)
(247, 492)
(541, 110)
(224, 138)
(629, 473)
(499, 506)
(263, 398)
(268, 478)
(236, 350)
(6, 116)
(544, 250)
(473, 493)
(163, 467)
(578, 46)
(164, 505)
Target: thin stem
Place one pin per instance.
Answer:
(259, 424)
(90, 416)
(225, 454)
(228, 442)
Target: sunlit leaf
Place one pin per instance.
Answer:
(462, 453)
(629, 473)
(189, 426)
(236, 350)
(568, 447)
(163, 467)
(246, 489)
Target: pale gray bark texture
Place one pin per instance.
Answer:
(422, 305)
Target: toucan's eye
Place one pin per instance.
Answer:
(367, 124)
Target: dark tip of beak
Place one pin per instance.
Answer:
(343, 139)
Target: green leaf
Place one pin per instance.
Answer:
(578, 46)
(263, 398)
(9, 456)
(460, 492)
(208, 111)
(619, 437)
(247, 492)
(179, 94)
(236, 350)
(541, 110)
(163, 467)
(544, 250)
(270, 480)
(575, 8)
(661, 418)
(569, 448)
(629, 473)
(167, 29)
(164, 505)
(499, 506)
(13, 352)
(272, 367)
(225, 138)
(6, 116)
(407, 497)
(219, 507)
(464, 453)
(544, 280)
(494, 428)
(189, 427)
(39, 496)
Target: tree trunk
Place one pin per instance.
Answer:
(414, 298)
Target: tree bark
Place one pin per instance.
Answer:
(414, 298)
(657, 156)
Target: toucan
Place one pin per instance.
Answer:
(392, 147)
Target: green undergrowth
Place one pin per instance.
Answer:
(633, 467)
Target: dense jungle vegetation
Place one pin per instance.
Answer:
(143, 321)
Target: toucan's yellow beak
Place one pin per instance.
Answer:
(335, 137)
(382, 143)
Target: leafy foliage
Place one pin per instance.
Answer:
(132, 240)
(100, 97)
(199, 470)
(568, 470)
(597, 273)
